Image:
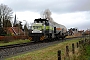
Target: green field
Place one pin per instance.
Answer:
(49, 53)
(13, 42)
(85, 51)
(87, 54)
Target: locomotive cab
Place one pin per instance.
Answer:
(38, 29)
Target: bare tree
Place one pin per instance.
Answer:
(7, 23)
(0, 19)
(20, 25)
(25, 29)
(6, 13)
(46, 15)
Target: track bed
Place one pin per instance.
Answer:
(22, 48)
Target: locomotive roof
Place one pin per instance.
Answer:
(40, 19)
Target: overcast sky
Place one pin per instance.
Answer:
(71, 13)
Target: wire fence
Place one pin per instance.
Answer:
(72, 52)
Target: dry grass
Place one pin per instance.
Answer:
(75, 35)
(49, 53)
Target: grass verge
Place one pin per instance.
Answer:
(14, 42)
(49, 53)
(84, 52)
(87, 55)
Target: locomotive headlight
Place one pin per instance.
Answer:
(37, 31)
(32, 31)
(40, 31)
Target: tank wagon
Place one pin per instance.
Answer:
(46, 30)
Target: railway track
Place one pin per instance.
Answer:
(9, 50)
(15, 45)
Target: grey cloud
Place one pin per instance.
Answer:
(57, 6)
(80, 26)
(85, 25)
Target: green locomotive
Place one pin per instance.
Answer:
(46, 30)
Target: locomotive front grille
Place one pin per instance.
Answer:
(36, 36)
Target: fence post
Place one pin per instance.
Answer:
(67, 51)
(82, 41)
(85, 40)
(59, 54)
(77, 44)
(88, 41)
(73, 48)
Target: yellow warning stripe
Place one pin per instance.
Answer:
(42, 37)
(30, 38)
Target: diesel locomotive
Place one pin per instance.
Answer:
(46, 30)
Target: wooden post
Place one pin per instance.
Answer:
(85, 40)
(77, 44)
(59, 54)
(73, 48)
(89, 42)
(82, 41)
(67, 51)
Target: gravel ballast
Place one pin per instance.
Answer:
(4, 53)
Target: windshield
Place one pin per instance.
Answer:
(37, 27)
